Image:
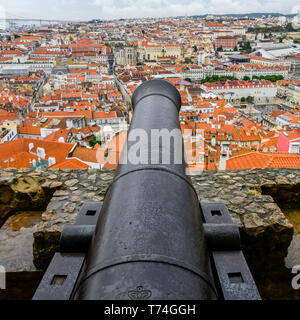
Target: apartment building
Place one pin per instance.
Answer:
(293, 93)
(226, 42)
(261, 91)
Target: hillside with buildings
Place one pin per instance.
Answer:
(70, 85)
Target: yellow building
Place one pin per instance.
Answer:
(172, 50)
(294, 35)
(153, 51)
(296, 96)
(8, 131)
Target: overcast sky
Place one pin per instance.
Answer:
(111, 9)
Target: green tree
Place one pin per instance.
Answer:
(249, 99)
(247, 45)
(246, 78)
(289, 27)
(93, 141)
(214, 78)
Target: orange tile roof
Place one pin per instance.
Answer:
(271, 143)
(293, 135)
(18, 160)
(263, 160)
(248, 135)
(12, 150)
(85, 154)
(102, 114)
(89, 129)
(70, 164)
(58, 134)
(29, 130)
(4, 115)
(29, 38)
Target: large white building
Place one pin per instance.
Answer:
(261, 91)
(29, 66)
(199, 72)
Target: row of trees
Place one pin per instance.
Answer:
(244, 46)
(215, 78)
(287, 28)
(249, 99)
(272, 78)
(187, 60)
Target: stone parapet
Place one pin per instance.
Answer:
(250, 196)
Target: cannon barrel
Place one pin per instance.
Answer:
(149, 239)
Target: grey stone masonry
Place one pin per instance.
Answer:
(256, 213)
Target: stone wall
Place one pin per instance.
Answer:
(58, 194)
(266, 233)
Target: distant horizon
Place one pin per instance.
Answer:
(163, 17)
(139, 9)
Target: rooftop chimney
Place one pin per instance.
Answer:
(224, 156)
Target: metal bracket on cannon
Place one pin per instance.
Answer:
(61, 276)
(232, 275)
(231, 272)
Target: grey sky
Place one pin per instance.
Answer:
(110, 9)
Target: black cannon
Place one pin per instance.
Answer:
(150, 238)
